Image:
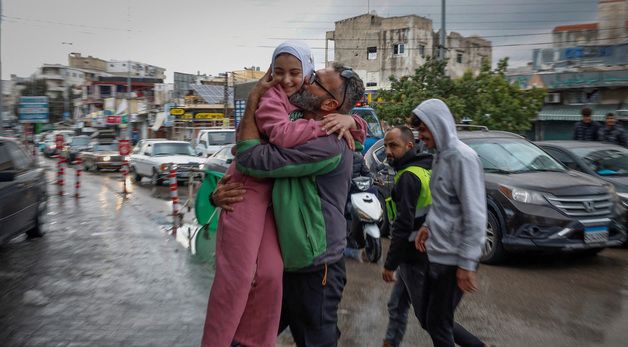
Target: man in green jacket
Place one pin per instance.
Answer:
(309, 196)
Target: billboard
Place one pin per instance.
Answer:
(33, 109)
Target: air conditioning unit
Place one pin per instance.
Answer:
(552, 98)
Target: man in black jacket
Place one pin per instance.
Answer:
(407, 208)
(586, 129)
(612, 132)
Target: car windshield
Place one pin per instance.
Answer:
(173, 148)
(605, 162)
(512, 156)
(80, 141)
(374, 128)
(105, 147)
(221, 138)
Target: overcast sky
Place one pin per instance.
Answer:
(213, 36)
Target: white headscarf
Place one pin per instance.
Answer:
(300, 51)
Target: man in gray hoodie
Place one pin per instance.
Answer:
(454, 230)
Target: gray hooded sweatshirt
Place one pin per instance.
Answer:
(457, 218)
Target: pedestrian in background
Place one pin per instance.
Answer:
(586, 129)
(455, 227)
(612, 132)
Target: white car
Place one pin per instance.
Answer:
(209, 141)
(154, 158)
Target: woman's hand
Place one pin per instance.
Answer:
(339, 124)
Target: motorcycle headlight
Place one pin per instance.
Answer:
(362, 183)
(523, 195)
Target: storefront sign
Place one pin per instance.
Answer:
(177, 111)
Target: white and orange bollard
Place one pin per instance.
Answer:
(125, 173)
(60, 174)
(174, 194)
(77, 183)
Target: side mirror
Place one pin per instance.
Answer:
(229, 161)
(199, 154)
(7, 176)
(147, 153)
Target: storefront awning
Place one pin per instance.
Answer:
(572, 112)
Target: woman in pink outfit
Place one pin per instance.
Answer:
(245, 301)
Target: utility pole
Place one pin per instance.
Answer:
(1, 89)
(128, 100)
(443, 32)
(226, 95)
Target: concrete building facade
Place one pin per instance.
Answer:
(611, 27)
(377, 47)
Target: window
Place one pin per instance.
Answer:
(371, 53)
(371, 84)
(399, 49)
(459, 58)
(110, 65)
(6, 163)
(21, 159)
(422, 51)
(562, 157)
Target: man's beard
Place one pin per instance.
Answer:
(306, 101)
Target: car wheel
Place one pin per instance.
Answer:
(493, 251)
(154, 179)
(40, 219)
(136, 177)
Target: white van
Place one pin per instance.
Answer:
(209, 141)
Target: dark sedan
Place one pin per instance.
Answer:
(603, 160)
(101, 156)
(535, 203)
(23, 195)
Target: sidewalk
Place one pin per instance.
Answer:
(105, 274)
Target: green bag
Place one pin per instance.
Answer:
(203, 208)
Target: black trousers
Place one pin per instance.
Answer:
(310, 305)
(434, 301)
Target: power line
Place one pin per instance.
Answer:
(64, 24)
(469, 46)
(474, 4)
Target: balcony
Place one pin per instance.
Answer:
(52, 76)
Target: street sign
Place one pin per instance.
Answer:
(59, 141)
(33, 109)
(240, 106)
(124, 147)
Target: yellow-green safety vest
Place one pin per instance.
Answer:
(425, 197)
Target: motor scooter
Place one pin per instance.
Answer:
(366, 213)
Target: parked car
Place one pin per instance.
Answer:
(603, 160)
(374, 131)
(23, 192)
(154, 158)
(50, 147)
(98, 156)
(209, 141)
(77, 144)
(606, 161)
(221, 160)
(534, 202)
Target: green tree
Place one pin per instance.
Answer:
(487, 99)
(428, 81)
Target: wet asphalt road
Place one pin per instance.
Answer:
(108, 273)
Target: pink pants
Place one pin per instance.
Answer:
(245, 300)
